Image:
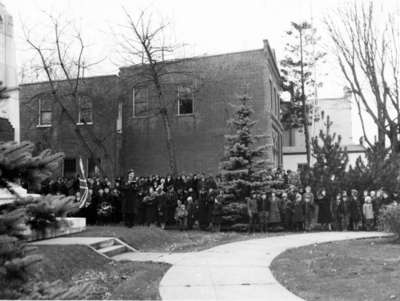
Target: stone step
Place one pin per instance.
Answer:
(113, 250)
(104, 244)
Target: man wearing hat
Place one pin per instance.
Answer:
(130, 200)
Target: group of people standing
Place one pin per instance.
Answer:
(195, 201)
(183, 201)
(293, 210)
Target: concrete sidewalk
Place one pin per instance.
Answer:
(240, 270)
(233, 271)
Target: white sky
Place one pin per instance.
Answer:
(206, 26)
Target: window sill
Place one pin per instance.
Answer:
(87, 123)
(186, 115)
(43, 126)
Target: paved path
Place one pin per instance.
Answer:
(71, 241)
(233, 271)
(240, 270)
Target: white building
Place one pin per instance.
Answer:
(339, 111)
(9, 108)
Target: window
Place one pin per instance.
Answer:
(277, 104)
(119, 118)
(271, 89)
(85, 113)
(140, 102)
(69, 167)
(185, 101)
(45, 112)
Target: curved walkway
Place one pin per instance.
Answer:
(240, 270)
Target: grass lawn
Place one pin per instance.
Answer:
(108, 280)
(155, 239)
(347, 270)
(76, 264)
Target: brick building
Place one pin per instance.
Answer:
(198, 91)
(94, 117)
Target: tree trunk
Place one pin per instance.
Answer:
(381, 120)
(304, 104)
(394, 141)
(170, 143)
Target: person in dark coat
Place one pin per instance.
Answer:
(263, 211)
(337, 215)
(191, 213)
(252, 211)
(217, 214)
(162, 207)
(150, 204)
(90, 209)
(130, 200)
(298, 217)
(171, 198)
(288, 207)
(203, 209)
(210, 206)
(345, 211)
(355, 211)
(324, 212)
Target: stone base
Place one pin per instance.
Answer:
(68, 225)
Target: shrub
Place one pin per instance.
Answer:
(389, 219)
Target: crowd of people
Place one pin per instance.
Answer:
(195, 201)
(297, 210)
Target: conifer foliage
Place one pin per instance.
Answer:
(329, 170)
(17, 164)
(244, 163)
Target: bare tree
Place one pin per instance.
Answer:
(366, 42)
(144, 47)
(61, 62)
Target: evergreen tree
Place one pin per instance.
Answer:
(17, 164)
(244, 163)
(379, 169)
(298, 74)
(331, 160)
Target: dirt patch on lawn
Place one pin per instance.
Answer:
(347, 270)
(108, 280)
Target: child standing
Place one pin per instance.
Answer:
(181, 215)
(368, 213)
(308, 199)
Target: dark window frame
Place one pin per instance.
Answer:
(85, 108)
(140, 99)
(185, 94)
(43, 110)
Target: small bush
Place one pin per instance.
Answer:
(389, 219)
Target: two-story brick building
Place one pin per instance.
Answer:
(199, 92)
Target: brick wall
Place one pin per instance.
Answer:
(62, 136)
(199, 138)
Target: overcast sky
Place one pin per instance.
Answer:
(205, 26)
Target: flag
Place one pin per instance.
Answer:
(83, 186)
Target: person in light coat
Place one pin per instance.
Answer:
(368, 213)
